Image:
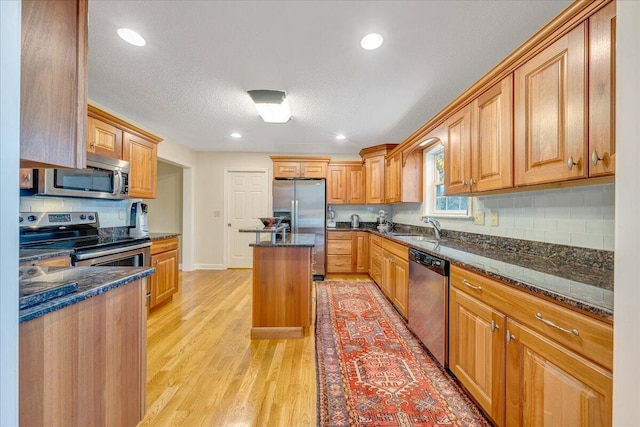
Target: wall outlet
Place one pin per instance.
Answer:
(121, 214)
(494, 219)
(478, 218)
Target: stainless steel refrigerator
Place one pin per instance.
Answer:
(302, 203)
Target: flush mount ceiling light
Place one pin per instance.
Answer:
(272, 105)
(340, 137)
(131, 37)
(236, 135)
(371, 41)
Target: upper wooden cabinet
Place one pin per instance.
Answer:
(113, 137)
(403, 177)
(299, 167)
(53, 83)
(550, 106)
(345, 183)
(103, 138)
(374, 167)
(457, 152)
(602, 118)
(142, 156)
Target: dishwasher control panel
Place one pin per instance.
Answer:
(434, 263)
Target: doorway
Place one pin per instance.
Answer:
(247, 198)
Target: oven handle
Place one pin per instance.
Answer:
(121, 250)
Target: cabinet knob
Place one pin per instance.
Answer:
(471, 183)
(92, 145)
(27, 178)
(595, 158)
(510, 337)
(494, 326)
(571, 163)
(464, 183)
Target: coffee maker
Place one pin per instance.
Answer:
(138, 220)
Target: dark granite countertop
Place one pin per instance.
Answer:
(26, 255)
(91, 281)
(291, 239)
(162, 236)
(583, 284)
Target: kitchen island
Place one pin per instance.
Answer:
(282, 286)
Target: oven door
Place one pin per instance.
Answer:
(129, 256)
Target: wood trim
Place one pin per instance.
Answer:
(299, 159)
(574, 14)
(282, 333)
(118, 122)
(83, 82)
(377, 150)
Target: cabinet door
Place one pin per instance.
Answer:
(53, 83)
(355, 185)
(387, 275)
(313, 169)
(375, 263)
(286, 169)
(164, 282)
(26, 178)
(336, 184)
(550, 106)
(400, 283)
(457, 152)
(103, 138)
(142, 156)
(602, 92)
(476, 351)
(550, 385)
(360, 252)
(374, 182)
(492, 138)
(393, 179)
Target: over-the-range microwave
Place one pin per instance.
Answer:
(104, 178)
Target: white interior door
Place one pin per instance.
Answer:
(247, 200)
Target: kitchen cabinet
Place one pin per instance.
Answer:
(164, 282)
(478, 146)
(103, 138)
(395, 273)
(375, 258)
(602, 118)
(374, 167)
(53, 83)
(546, 362)
(85, 364)
(26, 179)
(550, 112)
(142, 156)
(347, 252)
(57, 261)
(299, 167)
(111, 136)
(345, 183)
(403, 177)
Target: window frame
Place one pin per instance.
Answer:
(429, 187)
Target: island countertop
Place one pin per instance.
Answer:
(91, 281)
(290, 240)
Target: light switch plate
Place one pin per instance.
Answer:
(494, 219)
(121, 214)
(216, 214)
(478, 218)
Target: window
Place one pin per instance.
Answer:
(436, 203)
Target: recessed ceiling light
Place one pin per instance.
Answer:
(236, 135)
(371, 41)
(131, 37)
(340, 136)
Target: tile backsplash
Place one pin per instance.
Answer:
(111, 213)
(579, 216)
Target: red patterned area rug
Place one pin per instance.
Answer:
(373, 372)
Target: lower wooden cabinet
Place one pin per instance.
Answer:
(520, 368)
(57, 261)
(347, 252)
(85, 364)
(164, 282)
(395, 274)
(375, 258)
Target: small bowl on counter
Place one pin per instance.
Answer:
(271, 222)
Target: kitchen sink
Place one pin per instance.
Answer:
(415, 237)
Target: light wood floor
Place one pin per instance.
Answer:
(203, 370)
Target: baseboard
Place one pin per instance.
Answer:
(209, 267)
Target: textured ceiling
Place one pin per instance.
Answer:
(189, 83)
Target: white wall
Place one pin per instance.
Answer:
(626, 346)
(579, 216)
(9, 160)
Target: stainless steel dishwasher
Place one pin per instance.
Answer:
(428, 315)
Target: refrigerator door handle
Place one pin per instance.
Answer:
(293, 216)
(296, 216)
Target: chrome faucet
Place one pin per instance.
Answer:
(436, 225)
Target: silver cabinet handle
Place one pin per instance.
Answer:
(464, 183)
(595, 158)
(494, 326)
(471, 183)
(510, 337)
(471, 285)
(553, 325)
(571, 163)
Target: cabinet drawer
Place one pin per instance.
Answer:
(594, 340)
(159, 246)
(339, 263)
(314, 169)
(339, 235)
(339, 247)
(375, 240)
(58, 261)
(396, 248)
